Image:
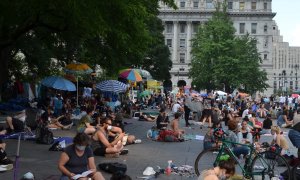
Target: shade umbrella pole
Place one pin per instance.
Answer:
(77, 91)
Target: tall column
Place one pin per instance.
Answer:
(188, 39)
(175, 41)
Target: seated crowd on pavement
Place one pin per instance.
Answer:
(101, 132)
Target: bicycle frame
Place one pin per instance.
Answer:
(225, 147)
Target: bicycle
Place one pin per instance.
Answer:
(258, 165)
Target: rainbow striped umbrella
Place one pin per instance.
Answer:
(131, 75)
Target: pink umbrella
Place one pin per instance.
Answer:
(295, 95)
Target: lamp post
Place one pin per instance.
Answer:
(284, 81)
(296, 66)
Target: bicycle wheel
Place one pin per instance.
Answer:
(296, 172)
(267, 165)
(205, 160)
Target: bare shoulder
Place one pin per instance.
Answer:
(211, 177)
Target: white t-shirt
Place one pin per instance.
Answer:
(176, 107)
(245, 113)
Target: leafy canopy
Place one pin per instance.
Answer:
(221, 59)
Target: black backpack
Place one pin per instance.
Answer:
(44, 135)
(113, 167)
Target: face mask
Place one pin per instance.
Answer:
(222, 177)
(80, 148)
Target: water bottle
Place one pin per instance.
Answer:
(168, 169)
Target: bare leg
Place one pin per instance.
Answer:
(98, 176)
(9, 122)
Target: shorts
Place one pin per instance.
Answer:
(207, 113)
(100, 151)
(18, 125)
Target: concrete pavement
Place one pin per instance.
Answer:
(43, 163)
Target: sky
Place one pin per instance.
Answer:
(288, 20)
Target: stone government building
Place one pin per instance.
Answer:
(280, 61)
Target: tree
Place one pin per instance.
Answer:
(219, 58)
(109, 33)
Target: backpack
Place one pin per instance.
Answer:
(113, 167)
(44, 135)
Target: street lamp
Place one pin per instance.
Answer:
(296, 67)
(284, 80)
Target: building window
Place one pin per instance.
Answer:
(182, 28)
(242, 28)
(195, 27)
(265, 6)
(182, 4)
(209, 4)
(253, 5)
(195, 4)
(230, 4)
(169, 42)
(266, 42)
(274, 28)
(265, 56)
(253, 28)
(265, 28)
(169, 27)
(242, 6)
(182, 43)
(182, 58)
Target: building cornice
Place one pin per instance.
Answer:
(246, 13)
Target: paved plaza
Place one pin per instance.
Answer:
(43, 163)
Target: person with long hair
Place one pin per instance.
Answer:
(224, 170)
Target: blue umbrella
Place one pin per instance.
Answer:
(59, 83)
(111, 86)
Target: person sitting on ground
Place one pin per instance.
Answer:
(244, 136)
(267, 124)
(262, 111)
(78, 158)
(115, 131)
(66, 120)
(162, 120)
(144, 117)
(100, 143)
(224, 170)
(175, 126)
(16, 123)
(209, 138)
(279, 139)
(50, 121)
(232, 137)
(84, 124)
(5, 163)
(282, 120)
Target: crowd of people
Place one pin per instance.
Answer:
(100, 131)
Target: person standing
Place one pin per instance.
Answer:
(207, 112)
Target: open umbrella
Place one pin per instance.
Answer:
(131, 75)
(78, 69)
(111, 86)
(144, 73)
(58, 83)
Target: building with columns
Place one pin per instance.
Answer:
(286, 62)
(249, 16)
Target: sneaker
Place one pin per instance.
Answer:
(124, 151)
(6, 167)
(6, 161)
(137, 141)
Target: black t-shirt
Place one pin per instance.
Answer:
(77, 164)
(267, 124)
(161, 119)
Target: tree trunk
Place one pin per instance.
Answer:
(4, 73)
